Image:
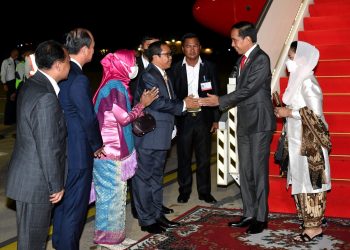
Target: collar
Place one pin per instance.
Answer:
(52, 81)
(198, 62)
(145, 62)
(250, 50)
(162, 71)
(76, 62)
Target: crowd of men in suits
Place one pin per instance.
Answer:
(40, 176)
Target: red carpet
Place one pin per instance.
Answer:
(206, 228)
(327, 28)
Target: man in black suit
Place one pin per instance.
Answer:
(197, 77)
(147, 184)
(142, 63)
(255, 125)
(37, 167)
(142, 60)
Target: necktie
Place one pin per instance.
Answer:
(241, 65)
(167, 84)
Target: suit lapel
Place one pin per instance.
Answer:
(184, 87)
(248, 62)
(160, 79)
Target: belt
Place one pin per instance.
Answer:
(193, 114)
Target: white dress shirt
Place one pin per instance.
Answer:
(8, 70)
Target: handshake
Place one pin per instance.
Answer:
(195, 102)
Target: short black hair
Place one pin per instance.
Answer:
(154, 49)
(48, 52)
(78, 38)
(294, 46)
(188, 36)
(246, 29)
(149, 37)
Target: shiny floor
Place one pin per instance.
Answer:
(227, 197)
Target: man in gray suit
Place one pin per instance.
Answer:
(37, 167)
(255, 125)
(147, 184)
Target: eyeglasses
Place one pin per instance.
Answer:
(169, 54)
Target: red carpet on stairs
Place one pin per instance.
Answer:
(328, 28)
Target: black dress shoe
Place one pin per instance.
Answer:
(208, 198)
(183, 198)
(242, 222)
(257, 227)
(166, 210)
(154, 228)
(165, 223)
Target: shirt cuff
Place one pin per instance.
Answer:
(184, 107)
(295, 114)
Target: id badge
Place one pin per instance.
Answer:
(205, 86)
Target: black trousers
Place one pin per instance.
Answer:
(254, 153)
(147, 185)
(10, 106)
(70, 213)
(194, 134)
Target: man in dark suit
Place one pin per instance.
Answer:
(142, 60)
(147, 184)
(255, 125)
(37, 167)
(142, 63)
(84, 142)
(197, 77)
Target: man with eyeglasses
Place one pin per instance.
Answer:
(152, 148)
(195, 76)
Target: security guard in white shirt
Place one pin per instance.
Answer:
(8, 69)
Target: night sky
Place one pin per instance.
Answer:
(105, 20)
(110, 29)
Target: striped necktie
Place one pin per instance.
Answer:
(165, 76)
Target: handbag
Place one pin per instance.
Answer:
(281, 156)
(143, 125)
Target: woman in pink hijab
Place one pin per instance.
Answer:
(113, 108)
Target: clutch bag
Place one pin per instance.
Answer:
(143, 125)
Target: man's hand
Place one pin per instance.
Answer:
(191, 102)
(99, 152)
(214, 127)
(211, 100)
(13, 97)
(56, 197)
(6, 88)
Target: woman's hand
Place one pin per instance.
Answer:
(282, 112)
(148, 96)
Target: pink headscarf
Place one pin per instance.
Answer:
(116, 66)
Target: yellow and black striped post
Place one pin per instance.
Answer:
(227, 154)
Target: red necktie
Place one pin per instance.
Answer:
(241, 65)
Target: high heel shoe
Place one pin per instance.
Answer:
(303, 237)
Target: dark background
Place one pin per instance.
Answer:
(114, 24)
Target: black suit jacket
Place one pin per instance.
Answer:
(37, 166)
(252, 95)
(207, 72)
(163, 110)
(133, 82)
